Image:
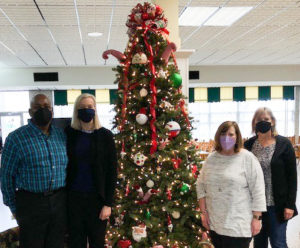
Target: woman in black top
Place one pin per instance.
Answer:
(277, 158)
(91, 175)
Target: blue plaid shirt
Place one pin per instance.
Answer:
(32, 161)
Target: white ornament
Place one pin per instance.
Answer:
(170, 227)
(150, 183)
(143, 92)
(162, 73)
(139, 232)
(139, 159)
(123, 154)
(139, 58)
(176, 214)
(141, 118)
(174, 128)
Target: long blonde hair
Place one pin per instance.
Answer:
(76, 124)
(258, 113)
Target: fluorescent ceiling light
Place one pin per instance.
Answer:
(212, 16)
(227, 16)
(195, 16)
(95, 34)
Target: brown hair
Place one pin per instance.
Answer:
(222, 129)
(258, 113)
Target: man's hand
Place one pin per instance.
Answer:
(105, 213)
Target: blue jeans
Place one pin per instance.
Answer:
(273, 229)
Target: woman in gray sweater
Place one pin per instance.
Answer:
(231, 191)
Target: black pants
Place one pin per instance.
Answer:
(83, 220)
(221, 241)
(42, 219)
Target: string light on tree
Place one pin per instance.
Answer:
(156, 178)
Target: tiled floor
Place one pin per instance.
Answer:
(293, 231)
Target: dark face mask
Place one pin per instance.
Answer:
(263, 126)
(86, 115)
(42, 117)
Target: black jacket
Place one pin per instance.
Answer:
(103, 158)
(284, 174)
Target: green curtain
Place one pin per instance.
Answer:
(288, 93)
(92, 92)
(264, 93)
(239, 94)
(191, 95)
(213, 94)
(60, 97)
(113, 96)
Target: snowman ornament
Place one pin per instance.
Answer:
(139, 159)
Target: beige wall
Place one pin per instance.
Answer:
(103, 77)
(239, 74)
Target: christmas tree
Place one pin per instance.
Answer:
(156, 203)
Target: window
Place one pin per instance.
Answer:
(208, 116)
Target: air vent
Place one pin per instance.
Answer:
(45, 76)
(194, 75)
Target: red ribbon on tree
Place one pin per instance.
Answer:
(184, 112)
(153, 94)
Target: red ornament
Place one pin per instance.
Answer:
(195, 170)
(127, 190)
(145, 16)
(176, 163)
(169, 194)
(170, 225)
(158, 10)
(124, 243)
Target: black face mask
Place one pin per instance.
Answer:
(86, 115)
(42, 117)
(263, 126)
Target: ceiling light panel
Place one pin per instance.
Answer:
(227, 16)
(196, 16)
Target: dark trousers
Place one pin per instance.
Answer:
(221, 241)
(84, 224)
(42, 219)
(273, 229)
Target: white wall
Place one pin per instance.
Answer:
(103, 77)
(69, 77)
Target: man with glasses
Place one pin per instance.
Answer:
(33, 173)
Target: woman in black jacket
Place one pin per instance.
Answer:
(277, 158)
(91, 175)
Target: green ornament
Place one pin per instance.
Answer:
(135, 137)
(184, 188)
(176, 79)
(148, 214)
